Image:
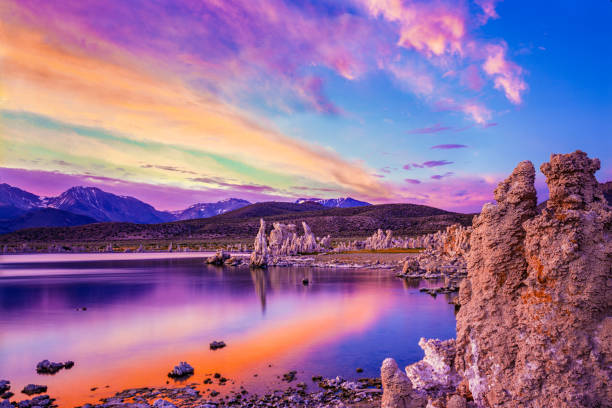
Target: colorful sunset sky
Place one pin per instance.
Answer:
(183, 101)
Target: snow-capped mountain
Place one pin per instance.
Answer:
(15, 197)
(103, 206)
(342, 202)
(205, 210)
(81, 205)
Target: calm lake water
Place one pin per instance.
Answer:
(144, 316)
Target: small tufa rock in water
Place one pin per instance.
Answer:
(217, 345)
(219, 258)
(7, 395)
(233, 261)
(32, 389)
(48, 367)
(39, 401)
(305, 281)
(181, 370)
(290, 376)
(5, 385)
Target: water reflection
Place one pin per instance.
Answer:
(144, 316)
(259, 282)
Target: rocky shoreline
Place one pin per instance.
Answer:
(332, 392)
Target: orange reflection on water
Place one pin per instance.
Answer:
(266, 343)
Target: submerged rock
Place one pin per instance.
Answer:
(5, 385)
(217, 345)
(181, 370)
(48, 367)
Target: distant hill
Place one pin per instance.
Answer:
(343, 202)
(44, 217)
(205, 210)
(8, 212)
(403, 219)
(270, 208)
(103, 206)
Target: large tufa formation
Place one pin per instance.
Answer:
(259, 257)
(380, 240)
(535, 321)
(496, 269)
(535, 324)
(453, 241)
(284, 241)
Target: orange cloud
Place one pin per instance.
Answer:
(43, 76)
(506, 74)
(433, 30)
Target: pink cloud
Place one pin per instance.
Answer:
(440, 30)
(412, 181)
(477, 112)
(430, 28)
(437, 163)
(312, 90)
(488, 9)
(471, 78)
(270, 47)
(507, 76)
(449, 146)
(441, 176)
(427, 130)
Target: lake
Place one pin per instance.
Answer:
(143, 316)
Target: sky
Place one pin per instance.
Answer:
(183, 101)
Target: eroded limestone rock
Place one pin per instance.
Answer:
(535, 324)
(435, 375)
(538, 296)
(259, 256)
(397, 388)
(284, 241)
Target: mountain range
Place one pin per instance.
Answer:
(84, 205)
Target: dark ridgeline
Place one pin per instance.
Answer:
(403, 219)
